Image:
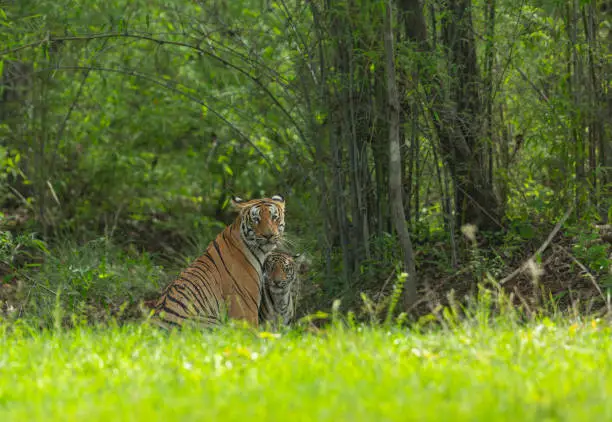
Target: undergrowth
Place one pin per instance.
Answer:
(109, 276)
(91, 281)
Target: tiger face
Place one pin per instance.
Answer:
(262, 221)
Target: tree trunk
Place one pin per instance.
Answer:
(415, 30)
(488, 82)
(605, 149)
(380, 153)
(577, 127)
(395, 165)
(460, 127)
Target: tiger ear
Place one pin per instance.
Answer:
(238, 202)
(278, 198)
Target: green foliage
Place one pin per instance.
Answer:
(135, 121)
(9, 168)
(18, 247)
(591, 251)
(132, 106)
(592, 254)
(395, 297)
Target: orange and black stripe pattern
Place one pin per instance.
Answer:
(226, 280)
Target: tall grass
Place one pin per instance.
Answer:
(90, 281)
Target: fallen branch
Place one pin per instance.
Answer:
(541, 249)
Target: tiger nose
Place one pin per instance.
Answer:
(268, 236)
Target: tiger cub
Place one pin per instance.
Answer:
(281, 272)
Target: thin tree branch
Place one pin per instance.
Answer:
(543, 96)
(484, 211)
(541, 249)
(533, 86)
(586, 271)
(301, 39)
(62, 128)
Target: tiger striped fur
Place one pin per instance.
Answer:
(278, 299)
(226, 280)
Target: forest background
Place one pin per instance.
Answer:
(453, 140)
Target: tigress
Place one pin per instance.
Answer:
(280, 273)
(227, 278)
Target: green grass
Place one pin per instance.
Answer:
(501, 372)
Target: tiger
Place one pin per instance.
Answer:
(281, 271)
(226, 280)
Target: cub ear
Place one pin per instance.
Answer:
(302, 262)
(278, 198)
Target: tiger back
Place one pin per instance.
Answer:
(226, 280)
(281, 280)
